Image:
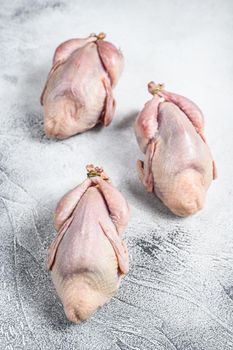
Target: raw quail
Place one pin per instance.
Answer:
(88, 257)
(178, 165)
(78, 91)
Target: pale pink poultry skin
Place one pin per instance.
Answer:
(178, 165)
(78, 91)
(88, 257)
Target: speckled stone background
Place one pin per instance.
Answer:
(178, 294)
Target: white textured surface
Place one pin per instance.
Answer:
(179, 292)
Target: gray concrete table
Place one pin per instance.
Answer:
(179, 291)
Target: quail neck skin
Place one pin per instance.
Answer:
(178, 164)
(78, 91)
(88, 257)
